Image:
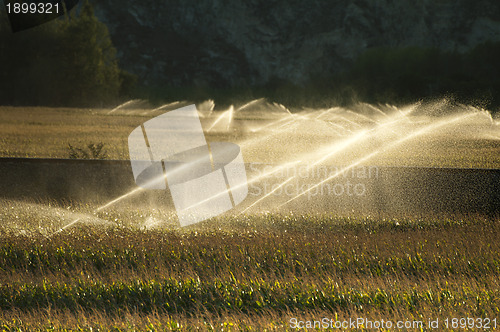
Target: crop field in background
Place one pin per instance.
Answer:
(35, 132)
(136, 269)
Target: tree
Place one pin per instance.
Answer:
(89, 59)
(67, 62)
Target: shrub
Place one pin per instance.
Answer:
(93, 151)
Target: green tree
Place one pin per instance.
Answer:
(89, 59)
(67, 62)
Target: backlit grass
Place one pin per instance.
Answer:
(38, 132)
(251, 273)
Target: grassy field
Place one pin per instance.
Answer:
(132, 268)
(45, 132)
(35, 132)
(123, 271)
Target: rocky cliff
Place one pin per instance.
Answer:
(246, 42)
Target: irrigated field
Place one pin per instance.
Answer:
(128, 271)
(269, 134)
(127, 266)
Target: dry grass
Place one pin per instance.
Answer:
(37, 132)
(46, 132)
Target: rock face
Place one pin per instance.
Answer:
(224, 43)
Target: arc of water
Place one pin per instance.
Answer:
(282, 107)
(124, 105)
(249, 104)
(374, 109)
(162, 107)
(336, 149)
(257, 178)
(226, 113)
(388, 146)
(230, 118)
(336, 125)
(323, 113)
(291, 124)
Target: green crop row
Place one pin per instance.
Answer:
(173, 295)
(250, 273)
(299, 262)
